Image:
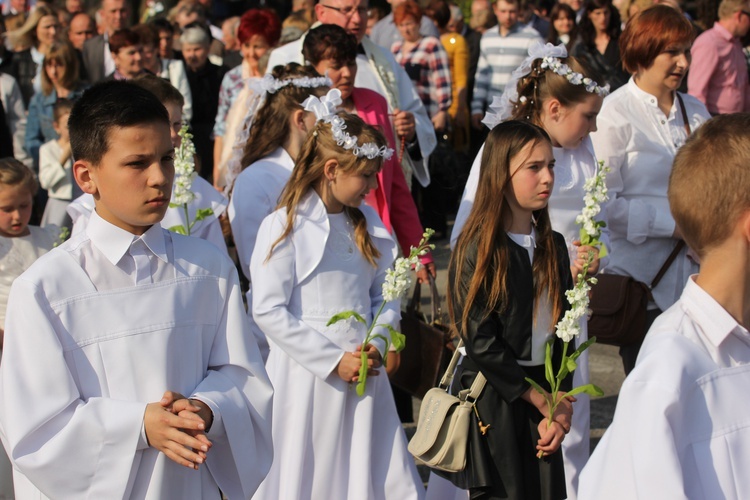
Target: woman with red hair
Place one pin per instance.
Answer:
(259, 31)
(640, 128)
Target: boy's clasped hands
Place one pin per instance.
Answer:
(177, 427)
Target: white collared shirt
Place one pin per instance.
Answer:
(638, 142)
(540, 330)
(682, 424)
(111, 253)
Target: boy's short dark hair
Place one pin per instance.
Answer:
(161, 88)
(61, 107)
(708, 186)
(107, 105)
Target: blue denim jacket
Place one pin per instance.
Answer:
(39, 122)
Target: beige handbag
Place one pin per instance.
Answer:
(443, 428)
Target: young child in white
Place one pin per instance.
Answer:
(129, 369)
(56, 170)
(567, 112)
(682, 424)
(318, 255)
(20, 246)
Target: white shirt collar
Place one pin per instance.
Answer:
(115, 242)
(715, 322)
(648, 99)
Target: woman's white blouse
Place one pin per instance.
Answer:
(638, 142)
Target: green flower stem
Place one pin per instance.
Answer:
(363, 353)
(187, 218)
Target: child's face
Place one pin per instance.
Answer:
(350, 188)
(15, 210)
(575, 122)
(175, 122)
(61, 127)
(532, 178)
(132, 184)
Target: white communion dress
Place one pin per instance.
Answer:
(328, 442)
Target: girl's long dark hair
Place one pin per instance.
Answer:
(586, 29)
(484, 235)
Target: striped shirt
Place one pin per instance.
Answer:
(498, 57)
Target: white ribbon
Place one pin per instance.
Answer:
(323, 107)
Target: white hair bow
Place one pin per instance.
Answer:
(502, 106)
(323, 107)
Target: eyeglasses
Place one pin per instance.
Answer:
(348, 12)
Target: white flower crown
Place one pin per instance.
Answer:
(325, 110)
(260, 87)
(271, 85)
(502, 106)
(574, 77)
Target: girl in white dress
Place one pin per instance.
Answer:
(279, 128)
(20, 246)
(566, 108)
(325, 252)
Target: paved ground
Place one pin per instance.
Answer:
(604, 361)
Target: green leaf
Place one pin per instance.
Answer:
(548, 363)
(398, 339)
(174, 205)
(582, 348)
(590, 389)
(346, 315)
(202, 213)
(570, 365)
(179, 230)
(383, 337)
(537, 387)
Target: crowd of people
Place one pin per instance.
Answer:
(141, 362)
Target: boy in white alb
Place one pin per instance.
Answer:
(682, 424)
(106, 333)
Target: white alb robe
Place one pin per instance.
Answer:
(682, 424)
(100, 327)
(330, 443)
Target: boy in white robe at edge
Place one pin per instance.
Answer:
(682, 424)
(103, 325)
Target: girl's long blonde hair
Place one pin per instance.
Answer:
(308, 172)
(486, 290)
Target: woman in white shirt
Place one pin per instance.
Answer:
(640, 128)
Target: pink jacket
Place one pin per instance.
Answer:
(395, 204)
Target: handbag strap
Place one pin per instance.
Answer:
(683, 111)
(414, 305)
(680, 244)
(672, 256)
(476, 387)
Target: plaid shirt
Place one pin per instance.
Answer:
(231, 86)
(427, 66)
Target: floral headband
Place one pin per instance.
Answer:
(271, 85)
(550, 55)
(325, 110)
(260, 87)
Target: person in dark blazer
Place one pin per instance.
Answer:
(97, 58)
